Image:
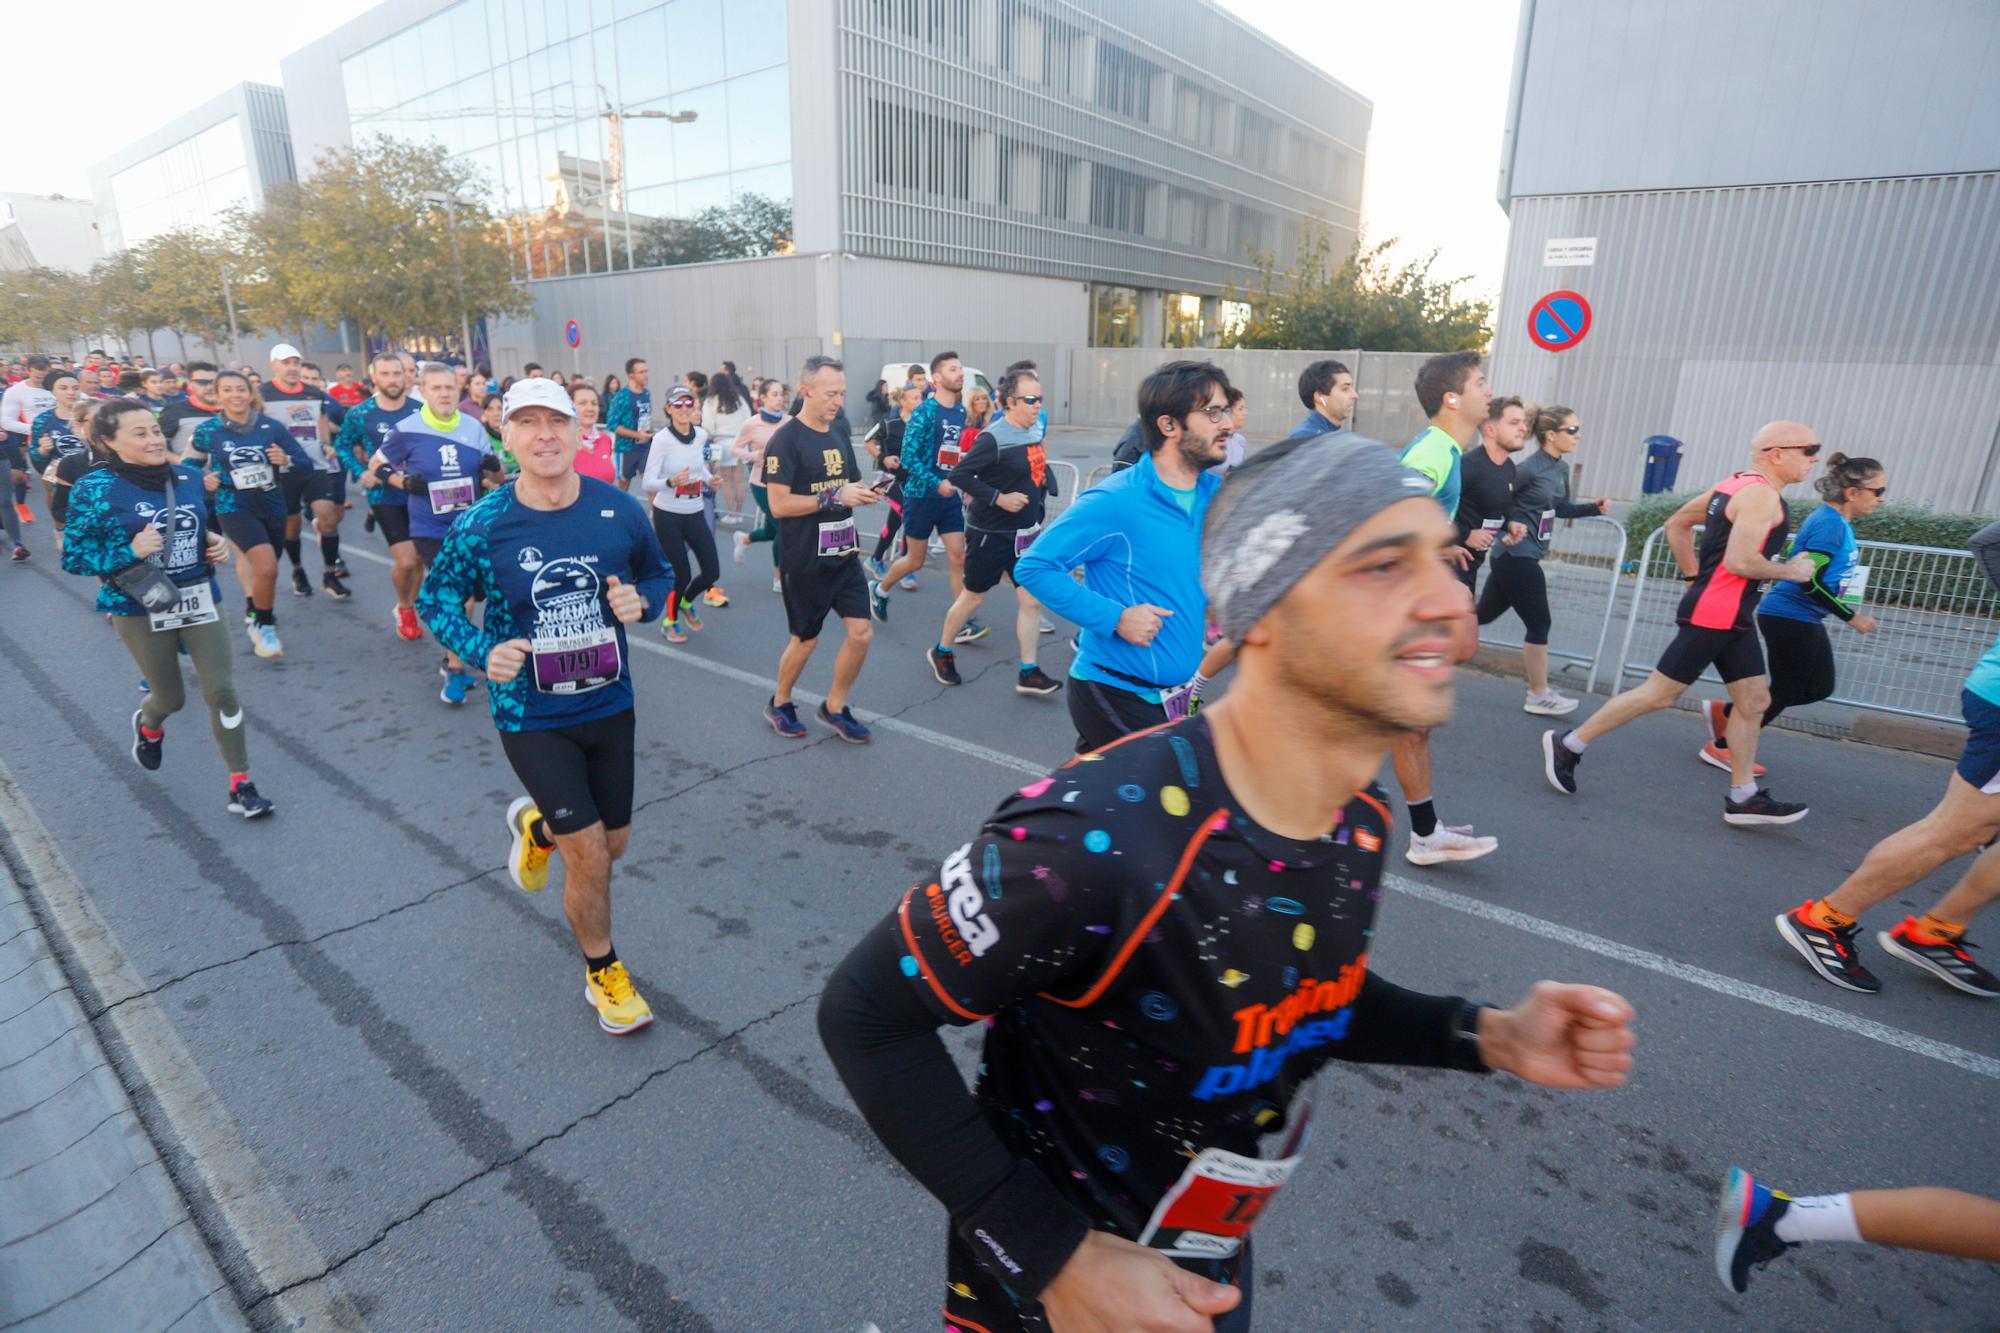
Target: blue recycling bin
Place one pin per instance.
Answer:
(1663, 463)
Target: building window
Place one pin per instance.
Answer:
(1114, 316)
(916, 151)
(1118, 200)
(1182, 311)
(1124, 82)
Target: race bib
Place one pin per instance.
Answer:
(1492, 524)
(838, 538)
(252, 477)
(448, 497)
(948, 456)
(1855, 585)
(1219, 1197)
(575, 663)
(1546, 528)
(1025, 538)
(688, 490)
(196, 607)
(1179, 702)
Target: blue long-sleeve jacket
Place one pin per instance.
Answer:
(1135, 544)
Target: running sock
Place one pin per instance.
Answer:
(236, 780)
(599, 964)
(1826, 918)
(250, 607)
(1940, 929)
(1423, 818)
(155, 733)
(292, 551)
(329, 550)
(539, 831)
(945, 648)
(20, 492)
(264, 617)
(1740, 792)
(1820, 1217)
(1574, 743)
(1026, 667)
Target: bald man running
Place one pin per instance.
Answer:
(1744, 525)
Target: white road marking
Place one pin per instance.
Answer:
(1957, 1056)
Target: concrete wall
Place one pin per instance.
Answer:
(1104, 387)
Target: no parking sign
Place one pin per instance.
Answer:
(1558, 321)
(573, 334)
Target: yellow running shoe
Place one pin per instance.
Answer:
(619, 1008)
(527, 860)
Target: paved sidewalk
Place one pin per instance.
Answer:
(93, 1234)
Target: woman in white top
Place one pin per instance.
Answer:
(675, 477)
(723, 413)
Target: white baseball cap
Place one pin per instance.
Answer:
(285, 352)
(536, 393)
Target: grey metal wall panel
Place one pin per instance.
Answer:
(1869, 309)
(1668, 94)
(1104, 387)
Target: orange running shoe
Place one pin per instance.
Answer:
(1716, 757)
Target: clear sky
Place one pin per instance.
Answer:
(1437, 71)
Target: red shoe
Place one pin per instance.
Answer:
(406, 624)
(25, 514)
(1711, 711)
(1716, 757)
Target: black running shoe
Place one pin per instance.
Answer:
(1831, 952)
(339, 569)
(334, 587)
(1033, 680)
(1762, 808)
(1947, 960)
(368, 523)
(301, 585)
(1746, 1228)
(1559, 763)
(846, 725)
(245, 801)
(145, 749)
(943, 666)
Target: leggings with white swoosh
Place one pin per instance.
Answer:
(208, 647)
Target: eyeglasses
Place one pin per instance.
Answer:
(1809, 450)
(202, 384)
(1216, 413)
(1031, 399)
(1569, 430)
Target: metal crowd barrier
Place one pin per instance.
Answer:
(1581, 570)
(1097, 474)
(1938, 615)
(1067, 486)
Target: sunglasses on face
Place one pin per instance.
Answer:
(1031, 399)
(1809, 450)
(202, 384)
(1877, 491)
(1569, 430)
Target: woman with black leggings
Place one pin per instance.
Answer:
(1792, 616)
(677, 474)
(1515, 582)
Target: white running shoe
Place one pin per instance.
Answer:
(1048, 626)
(741, 541)
(1552, 703)
(777, 583)
(1449, 843)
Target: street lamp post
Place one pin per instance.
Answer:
(451, 203)
(229, 303)
(617, 115)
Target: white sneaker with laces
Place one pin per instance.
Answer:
(1449, 843)
(1551, 703)
(741, 542)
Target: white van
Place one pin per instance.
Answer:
(897, 373)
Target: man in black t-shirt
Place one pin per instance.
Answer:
(1486, 484)
(181, 415)
(814, 487)
(1169, 936)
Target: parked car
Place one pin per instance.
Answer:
(897, 374)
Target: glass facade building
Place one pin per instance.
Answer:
(608, 134)
(222, 155)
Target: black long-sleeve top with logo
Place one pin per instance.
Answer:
(990, 470)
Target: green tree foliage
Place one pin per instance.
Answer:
(184, 269)
(46, 308)
(1362, 299)
(753, 225)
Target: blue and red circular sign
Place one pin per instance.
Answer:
(573, 334)
(1558, 321)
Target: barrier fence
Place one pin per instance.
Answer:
(1937, 614)
(1068, 484)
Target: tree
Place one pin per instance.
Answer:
(1363, 300)
(45, 309)
(184, 267)
(751, 226)
(357, 239)
(125, 301)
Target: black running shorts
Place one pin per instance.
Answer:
(393, 521)
(811, 596)
(294, 483)
(249, 531)
(579, 775)
(1734, 653)
(330, 486)
(427, 547)
(988, 557)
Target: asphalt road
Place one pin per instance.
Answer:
(400, 1036)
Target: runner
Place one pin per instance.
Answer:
(675, 479)
(19, 406)
(142, 519)
(439, 460)
(1755, 1224)
(885, 442)
(630, 416)
(1966, 820)
(1541, 496)
(249, 453)
(724, 412)
(1452, 391)
(1327, 390)
(1488, 476)
(1137, 537)
(1745, 529)
(1106, 1173)
(1791, 617)
(1006, 480)
(931, 447)
(596, 447)
(344, 390)
(53, 435)
(366, 428)
(321, 490)
(182, 415)
(814, 489)
(750, 444)
(560, 584)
